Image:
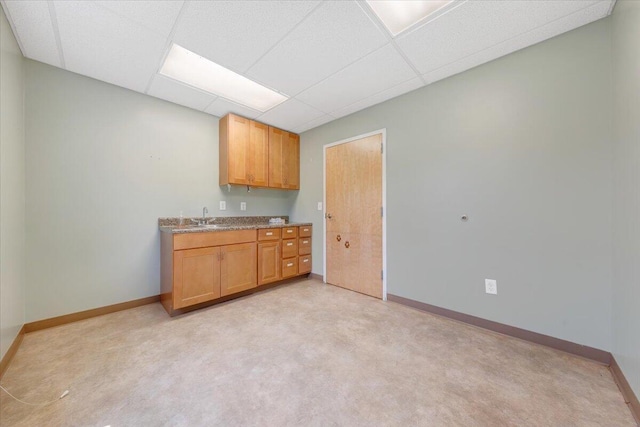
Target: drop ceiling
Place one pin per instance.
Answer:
(331, 58)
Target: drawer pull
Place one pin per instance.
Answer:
(290, 244)
(270, 233)
(290, 264)
(305, 229)
(289, 231)
(306, 260)
(304, 242)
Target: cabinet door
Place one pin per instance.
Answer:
(291, 162)
(258, 157)
(238, 146)
(277, 141)
(196, 276)
(238, 268)
(269, 262)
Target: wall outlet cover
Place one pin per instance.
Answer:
(223, 205)
(490, 286)
(243, 206)
(319, 206)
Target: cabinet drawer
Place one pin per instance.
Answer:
(304, 245)
(304, 264)
(269, 234)
(305, 231)
(289, 248)
(214, 238)
(289, 232)
(289, 267)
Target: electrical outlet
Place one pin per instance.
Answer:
(490, 286)
(243, 206)
(223, 205)
(319, 206)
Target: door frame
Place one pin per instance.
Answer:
(382, 132)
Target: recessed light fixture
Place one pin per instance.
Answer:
(398, 15)
(190, 68)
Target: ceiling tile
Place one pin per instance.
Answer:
(173, 91)
(236, 34)
(374, 73)
(397, 90)
(158, 16)
(222, 106)
(314, 123)
(290, 114)
(32, 22)
(333, 36)
(100, 44)
(478, 25)
(552, 29)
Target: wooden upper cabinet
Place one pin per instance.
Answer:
(291, 162)
(254, 154)
(244, 148)
(277, 142)
(284, 159)
(258, 164)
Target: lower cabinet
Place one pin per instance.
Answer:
(237, 268)
(205, 266)
(196, 276)
(268, 262)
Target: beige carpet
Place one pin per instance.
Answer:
(305, 354)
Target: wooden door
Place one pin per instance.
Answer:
(238, 268)
(269, 262)
(258, 154)
(196, 276)
(354, 215)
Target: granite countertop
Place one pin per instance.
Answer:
(172, 225)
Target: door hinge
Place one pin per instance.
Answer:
(381, 274)
(381, 211)
(381, 148)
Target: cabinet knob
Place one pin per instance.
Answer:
(338, 237)
(346, 244)
(328, 216)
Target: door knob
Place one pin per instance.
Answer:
(328, 216)
(338, 238)
(346, 244)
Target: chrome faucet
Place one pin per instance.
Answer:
(204, 220)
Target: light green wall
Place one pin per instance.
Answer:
(103, 163)
(626, 179)
(12, 188)
(522, 146)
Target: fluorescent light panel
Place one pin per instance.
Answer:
(190, 68)
(398, 15)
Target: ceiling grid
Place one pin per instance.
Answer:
(331, 58)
